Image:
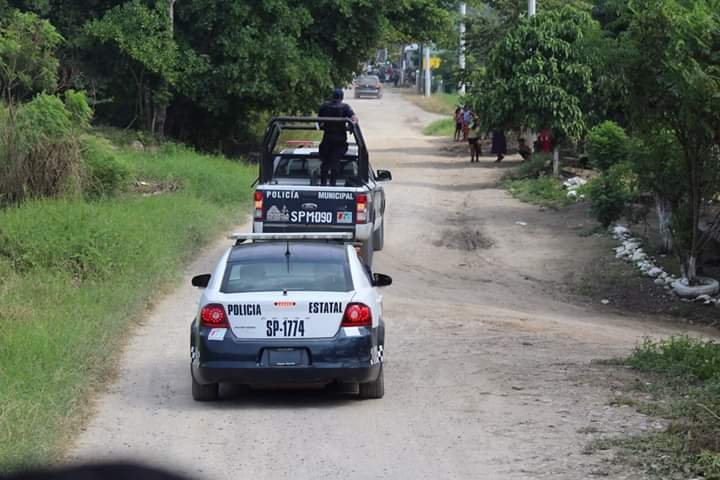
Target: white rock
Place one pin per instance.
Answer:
(659, 281)
(655, 272)
(604, 301)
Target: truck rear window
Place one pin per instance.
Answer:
(309, 167)
(273, 275)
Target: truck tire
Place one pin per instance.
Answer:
(367, 251)
(379, 237)
(374, 389)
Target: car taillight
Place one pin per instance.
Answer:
(213, 315)
(362, 209)
(258, 215)
(357, 315)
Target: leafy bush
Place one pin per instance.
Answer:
(40, 151)
(607, 145)
(610, 193)
(105, 174)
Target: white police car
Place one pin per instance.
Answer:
(288, 308)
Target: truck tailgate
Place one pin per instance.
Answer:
(286, 207)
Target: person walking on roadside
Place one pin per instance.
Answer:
(458, 124)
(474, 140)
(334, 142)
(499, 145)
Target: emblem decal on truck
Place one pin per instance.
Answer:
(274, 214)
(344, 217)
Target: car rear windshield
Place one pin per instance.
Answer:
(369, 80)
(282, 273)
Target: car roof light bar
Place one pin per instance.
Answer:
(291, 236)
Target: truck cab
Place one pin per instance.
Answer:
(289, 197)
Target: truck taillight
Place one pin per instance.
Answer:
(258, 215)
(361, 216)
(357, 315)
(213, 316)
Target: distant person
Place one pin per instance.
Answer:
(467, 118)
(524, 149)
(544, 142)
(474, 140)
(334, 142)
(458, 124)
(499, 145)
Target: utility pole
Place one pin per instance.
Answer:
(402, 65)
(427, 70)
(531, 8)
(461, 60)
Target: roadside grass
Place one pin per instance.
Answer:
(441, 103)
(75, 275)
(440, 128)
(685, 389)
(544, 191)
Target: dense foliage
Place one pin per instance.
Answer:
(206, 71)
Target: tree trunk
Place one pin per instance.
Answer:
(556, 161)
(664, 214)
(690, 268)
(161, 116)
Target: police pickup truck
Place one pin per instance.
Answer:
(289, 197)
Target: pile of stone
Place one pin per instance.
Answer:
(572, 185)
(631, 250)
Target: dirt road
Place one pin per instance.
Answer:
(488, 371)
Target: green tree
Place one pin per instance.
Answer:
(674, 73)
(27, 56)
(538, 76)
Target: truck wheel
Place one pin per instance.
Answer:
(379, 237)
(204, 393)
(375, 389)
(367, 251)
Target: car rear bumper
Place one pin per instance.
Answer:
(354, 356)
(367, 91)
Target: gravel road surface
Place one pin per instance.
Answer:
(488, 370)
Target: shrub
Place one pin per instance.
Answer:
(610, 193)
(104, 173)
(40, 151)
(607, 145)
(533, 168)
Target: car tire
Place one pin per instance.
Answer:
(374, 389)
(204, 393)
(379, 237)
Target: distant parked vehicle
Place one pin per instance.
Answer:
(368, 86)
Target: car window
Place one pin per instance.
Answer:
(271, 275)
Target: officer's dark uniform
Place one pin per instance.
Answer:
(334, 142)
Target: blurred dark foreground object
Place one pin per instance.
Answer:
(100, 471)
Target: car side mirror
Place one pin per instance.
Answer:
(201, 281)
(381, 280)
(383, 176)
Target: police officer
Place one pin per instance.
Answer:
(334, 142)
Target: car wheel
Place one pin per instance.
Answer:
(204, 393)
(379, 237)
(374, 389)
